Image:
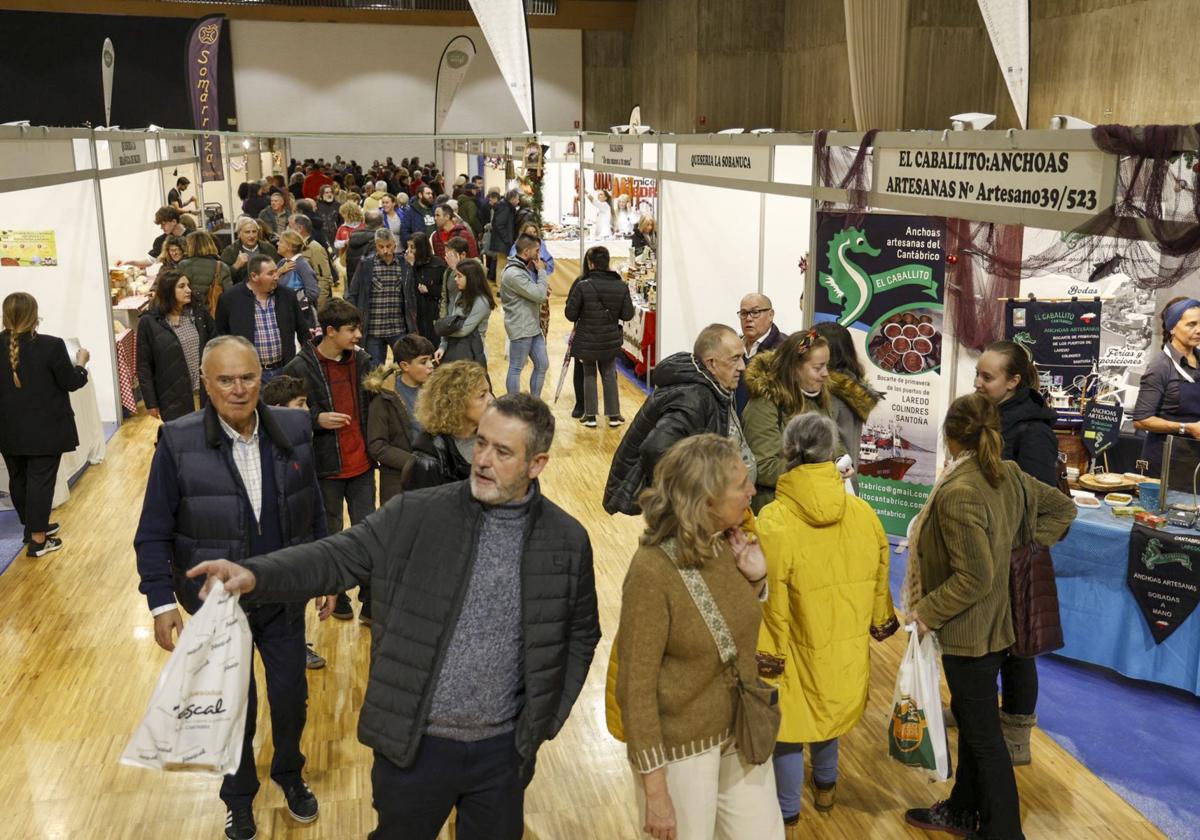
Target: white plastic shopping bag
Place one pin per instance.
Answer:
(197, 714)
(917, 730)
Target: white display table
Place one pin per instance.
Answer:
(90, 450)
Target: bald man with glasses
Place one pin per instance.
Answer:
(759, 332)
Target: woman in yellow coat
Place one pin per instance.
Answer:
(827, 568)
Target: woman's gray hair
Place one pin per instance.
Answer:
(809, 439)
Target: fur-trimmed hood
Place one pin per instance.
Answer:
(376, 380)
(761, 381)
(858, 396)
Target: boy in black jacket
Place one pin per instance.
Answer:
(333, 371)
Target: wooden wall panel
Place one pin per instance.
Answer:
(816, 88)
(607, 79)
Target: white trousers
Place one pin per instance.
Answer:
(718, 796)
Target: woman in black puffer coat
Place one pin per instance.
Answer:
(170, 343)
(597, 303)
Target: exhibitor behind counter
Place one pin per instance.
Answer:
(1168, 400)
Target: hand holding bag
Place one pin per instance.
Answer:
(756, 704)
(197, 713)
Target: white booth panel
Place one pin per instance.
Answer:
(72, 296)
(103, 161)
(130, 202)
(705, 266)
(793, 165)
(82, 149)
(785, 242)
(667, 164)
(649, 156)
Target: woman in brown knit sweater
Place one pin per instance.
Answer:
(957, 585)
(673, 690)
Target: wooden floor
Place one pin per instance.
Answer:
(79, 662)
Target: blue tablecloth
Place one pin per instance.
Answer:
(1102, 623)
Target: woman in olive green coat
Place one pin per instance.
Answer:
(790, 380)
(960, 548)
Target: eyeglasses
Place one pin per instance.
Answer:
(752, 313)
(228, 383)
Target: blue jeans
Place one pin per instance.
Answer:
(377, 347)
(521, 349)
(789, 771)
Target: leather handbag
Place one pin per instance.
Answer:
(1033, 594)
(756, 715)
(215, 290)
(450, 324)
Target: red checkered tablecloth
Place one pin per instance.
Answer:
(127, 369)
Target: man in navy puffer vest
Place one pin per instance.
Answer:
(237, 480)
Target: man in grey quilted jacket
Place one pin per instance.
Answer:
(485, 625)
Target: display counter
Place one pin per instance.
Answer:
(637, 339)
(1101, 622)
(89, 451)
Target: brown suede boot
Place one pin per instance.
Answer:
(823, 798)
(1017, 729)
(791, 828)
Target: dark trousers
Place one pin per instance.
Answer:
(577, 382)
(481, 779)
(31, 481)
(358, 495)
(608, 378)
(1018, 685)
(985, 780)
(278, 633)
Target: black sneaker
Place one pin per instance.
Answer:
(364, 613)
(43, 548)
(940, 817)
(239, 824)
(589, 420)
(342, 610)
(301, 803)
(615, 421)
(312, 660)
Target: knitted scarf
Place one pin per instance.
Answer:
(913, 590)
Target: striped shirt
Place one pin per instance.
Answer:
(248, 460)
(386, 313)
(266, 332)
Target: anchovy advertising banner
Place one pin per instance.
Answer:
(1062, 336)
(883, 279)
(203, 47)
(1164, 577)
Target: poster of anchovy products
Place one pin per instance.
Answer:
(883, 279)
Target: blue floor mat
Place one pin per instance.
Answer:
(1141, 739)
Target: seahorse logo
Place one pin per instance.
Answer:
(847, 283)
(1154, 556)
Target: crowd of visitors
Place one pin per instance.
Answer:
(313, 352)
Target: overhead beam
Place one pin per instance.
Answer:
(572, 14)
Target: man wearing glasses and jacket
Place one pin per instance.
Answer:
(759, 333)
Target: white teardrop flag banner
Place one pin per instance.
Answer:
(504, 27)
(452, 70)
(1007, 24)
(108, 59)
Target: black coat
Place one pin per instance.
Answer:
(435, 461)
(36, 419)
(162, 368)
(686, 401)
(598, 302)
(430, 274)
(360, 244)
(1027, 426)
(235, 316)
(771, 340)
(416, 553)
(308, 367)
(504, 222)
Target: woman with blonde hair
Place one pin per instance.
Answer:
(37, 424)
(790, 380)
(960, 548)
(827, 574)
(352, 220)
(672, 684)
(645, 236)
(449, 407)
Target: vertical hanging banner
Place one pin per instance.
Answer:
(108, 61)
(504, 27)
(1063, 337)
(884, 281)
(1007, 23)
(203, 46)
(452, 70)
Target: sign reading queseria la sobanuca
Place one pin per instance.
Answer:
(618, 154)
(745, 163)
(1062, 181)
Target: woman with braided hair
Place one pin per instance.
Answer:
(37, 424)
